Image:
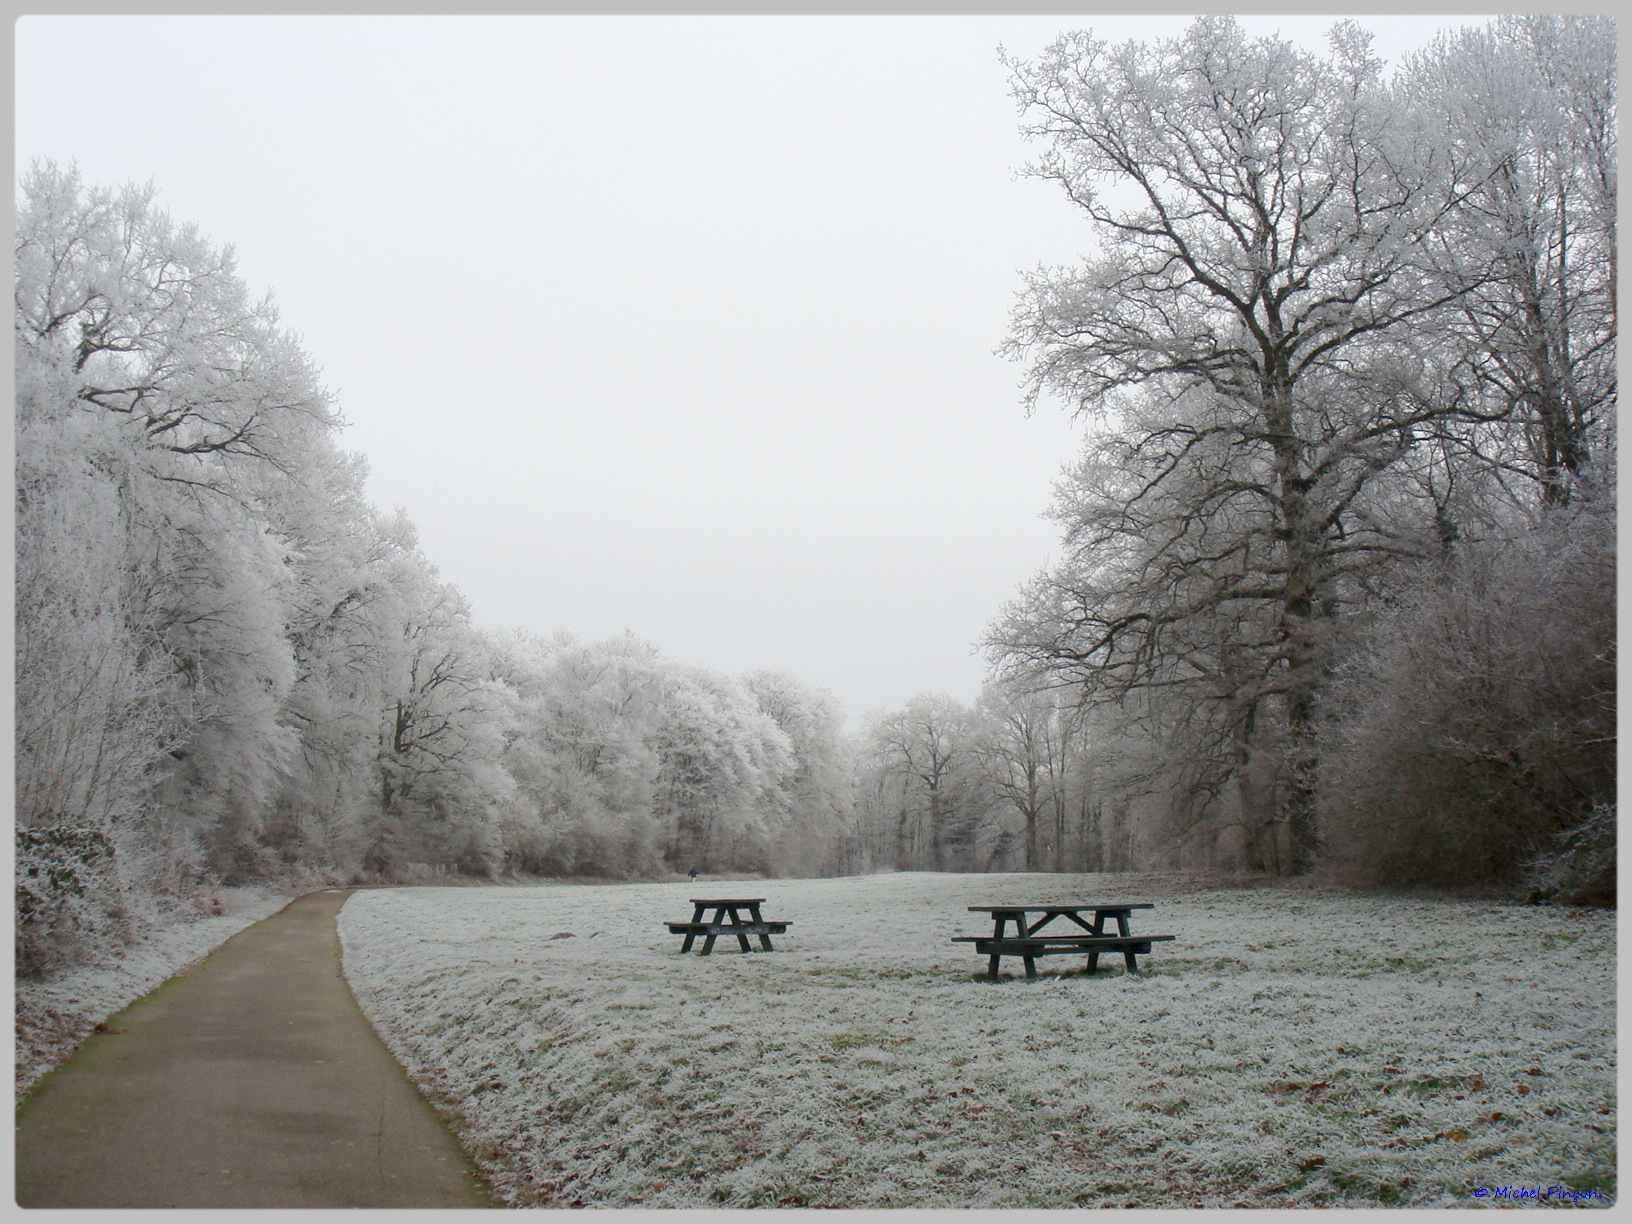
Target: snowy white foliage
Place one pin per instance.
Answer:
(1293, 1047)
(628, 764)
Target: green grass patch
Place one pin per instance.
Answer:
(1587, 1183)
(850, 1041)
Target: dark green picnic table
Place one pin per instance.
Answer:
(1028, 940)
(737, 916)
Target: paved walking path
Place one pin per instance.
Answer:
(252, 1081)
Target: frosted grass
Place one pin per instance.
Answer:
(1292, 1047)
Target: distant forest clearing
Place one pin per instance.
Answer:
(1295, 1046)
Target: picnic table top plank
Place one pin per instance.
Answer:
(1023, 948)
(730, 901)
(1063, 940)
(1062, 908)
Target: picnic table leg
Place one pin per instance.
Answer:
(1020, 929)
(996, 958)
(764, 936)
(1097, 928)
(736, 920)
(708, 940)
(691, 936)
(1122, 929)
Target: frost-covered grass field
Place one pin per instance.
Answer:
(1293, 1047)
(54, 1013)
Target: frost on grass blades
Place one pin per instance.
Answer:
(1293, 1047)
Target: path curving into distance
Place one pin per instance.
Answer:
(253, 1080)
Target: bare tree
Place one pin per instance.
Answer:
(1263, 266)
(927, 749)
(1528, 104)
(1027, 753)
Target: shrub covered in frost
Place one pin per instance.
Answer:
(1581, 868)
(64, 888)
(1477, 722)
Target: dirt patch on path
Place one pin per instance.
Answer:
(251, 1081)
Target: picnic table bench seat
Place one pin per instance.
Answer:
(728, 928)
(1028, 947)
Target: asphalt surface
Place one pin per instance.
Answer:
(251, 1081)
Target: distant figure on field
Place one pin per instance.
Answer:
(694, 875)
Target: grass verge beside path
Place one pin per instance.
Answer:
(1293, 1047)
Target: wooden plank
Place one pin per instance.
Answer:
(1027, 947)
(1105, 906)
(728, 902)
(1015, 944)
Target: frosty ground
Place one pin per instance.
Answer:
(1292, 1047)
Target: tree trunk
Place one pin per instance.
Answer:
(1301, 540)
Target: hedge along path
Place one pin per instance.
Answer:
(252, 1080)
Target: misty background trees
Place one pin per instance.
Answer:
(1334, 587)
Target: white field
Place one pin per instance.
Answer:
(1293, 1047)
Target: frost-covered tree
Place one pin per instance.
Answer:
(581, 753)
(722, 765)
(1027, 742)
(1162, 611)
(820, 789)
(97, 712)
(630, 764)
(343, 633)
(441, 727)
(211, 621)
(1525, 109)
(160, 410)
(1267, 338)
(927, 788)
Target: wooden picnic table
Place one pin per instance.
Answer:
(737, 916)
(1028, 941)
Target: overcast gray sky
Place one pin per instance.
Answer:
(682, 325)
